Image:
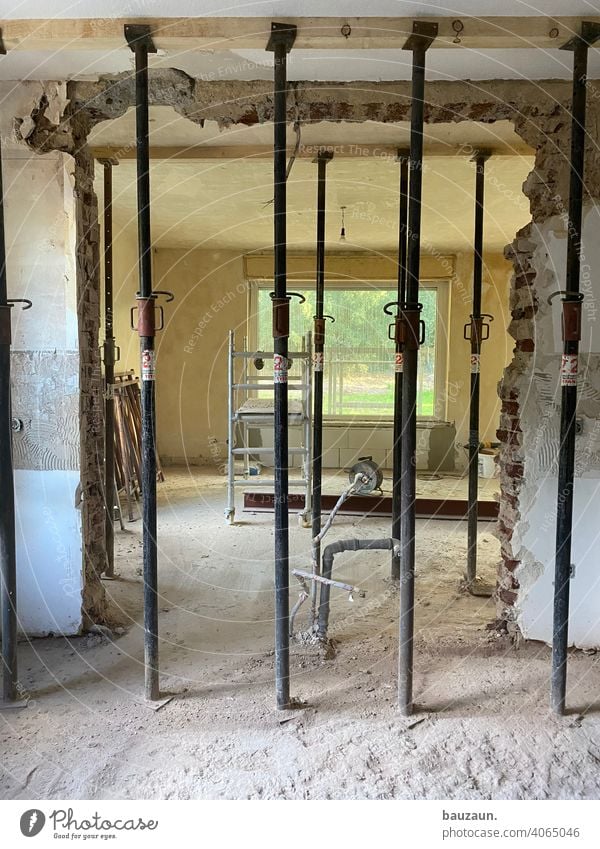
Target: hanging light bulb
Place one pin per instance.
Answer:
(343, 227)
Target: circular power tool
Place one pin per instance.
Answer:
(372, 476)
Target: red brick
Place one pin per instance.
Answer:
(510, 407)
(507, 596)
(526, 345)
(509, 437)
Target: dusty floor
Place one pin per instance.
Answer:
(440, 486)
(482, 729)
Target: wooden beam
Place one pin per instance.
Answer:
(342, 150)
(351, 267)
(331, 33)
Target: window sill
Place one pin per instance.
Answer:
(341, 421)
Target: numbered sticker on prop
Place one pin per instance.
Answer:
(475, 363)
(399, 363)
(148, 365)
(568, 372)
(318, 360)
(279, 369)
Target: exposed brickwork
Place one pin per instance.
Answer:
(523, 305)
(91, 403)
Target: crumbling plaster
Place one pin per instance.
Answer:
(539, 112)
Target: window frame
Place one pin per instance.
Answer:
(440, 375)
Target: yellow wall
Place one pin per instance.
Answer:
(211, 298)
(125, 286)
(496, 353)
(191, 361)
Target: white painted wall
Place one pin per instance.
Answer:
(554, 253)
(48, 553)
(534, 538)
(538, 585)
(40, 238)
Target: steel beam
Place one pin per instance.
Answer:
(374, 505)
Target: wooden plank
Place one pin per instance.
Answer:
(376, 505)
(342, 150)
(322, 33)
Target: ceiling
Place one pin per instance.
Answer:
(303, 64)
(225, 203)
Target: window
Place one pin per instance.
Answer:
(359, 368)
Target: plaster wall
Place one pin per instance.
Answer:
(40, 241)
(533, 541)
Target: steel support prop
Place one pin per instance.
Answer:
(322, 159)
(403, 158)
(423, 35)
(280, 43)
(8, 557)
(110, 357)
(8, 545)
(140, 41)
(475, 332)
(571, 331)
